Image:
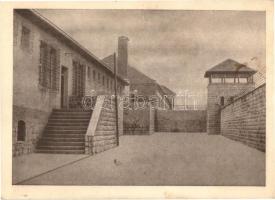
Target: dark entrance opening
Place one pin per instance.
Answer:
(21, 130)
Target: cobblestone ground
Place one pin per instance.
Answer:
(165, 159)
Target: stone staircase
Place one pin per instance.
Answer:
(65, 132)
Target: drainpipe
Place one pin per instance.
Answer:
(116, 102)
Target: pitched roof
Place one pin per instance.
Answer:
(137, 77)
(230, 66)
(36, 18)
(167, 91)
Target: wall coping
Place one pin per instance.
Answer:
(95, 115)
(246, 94)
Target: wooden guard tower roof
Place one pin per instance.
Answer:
(230, 66)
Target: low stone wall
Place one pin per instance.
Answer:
(244, 119)
(35, 121)
(101, 133)
(180, 121)
(138, 122)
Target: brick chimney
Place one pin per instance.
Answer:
(122, 59)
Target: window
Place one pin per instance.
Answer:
(229, 80)
(25, 37)
(49, 67)
(242, 80)
(94, 74)
(222, 101)
(103, 80)
(89, 72)
(98, 77)
(79, 75)
(216, 80)
(21, 131)
(107, 83)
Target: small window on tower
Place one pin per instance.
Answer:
(229, 80)
(243, 80)
(216, 80)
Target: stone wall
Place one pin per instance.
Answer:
(101, 133)
(180, 121)
(215, 92)
(244, 119)
(35, 121)
(138, 122)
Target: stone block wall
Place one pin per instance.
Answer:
(215, 92)
(180, 121)
(35, 122)
(139, 122)
(105, 137)
(244, 119)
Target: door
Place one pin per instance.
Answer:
(64, 87)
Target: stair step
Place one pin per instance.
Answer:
(73, 120)
(71, 110)
(61, 147)
(81, 132)
(45, 142)
(54, 123)
(69, 117)
(77, 128)
(65, 135)
(60, 151)
(63, 139)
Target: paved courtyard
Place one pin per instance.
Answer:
(159, 159)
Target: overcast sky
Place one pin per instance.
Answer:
(173, 47)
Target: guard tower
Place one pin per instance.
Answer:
(227, 81)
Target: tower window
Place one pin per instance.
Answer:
(222, 101)
(21, 130)
(243, 80)
(216, 80)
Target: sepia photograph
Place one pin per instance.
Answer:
(139, 97)
(137, 100)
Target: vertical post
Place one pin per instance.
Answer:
(116, 102)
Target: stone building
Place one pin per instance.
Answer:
(227, 81)
(51, 71)
(141, 87)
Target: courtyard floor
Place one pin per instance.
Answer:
(160, 159)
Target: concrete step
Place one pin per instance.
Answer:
(45, 142)
(77, 128)
(65, 135)
(80, 132)
(63, 139)
(60, 151)
(68, 120)
(61, 147)
(54, 123)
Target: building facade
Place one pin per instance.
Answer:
(50, 71)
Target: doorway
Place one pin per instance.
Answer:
(64, 87)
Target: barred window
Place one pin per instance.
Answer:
(49, 66)
(94, 75)
(98, 77)
(79, 74)
(107, 83)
